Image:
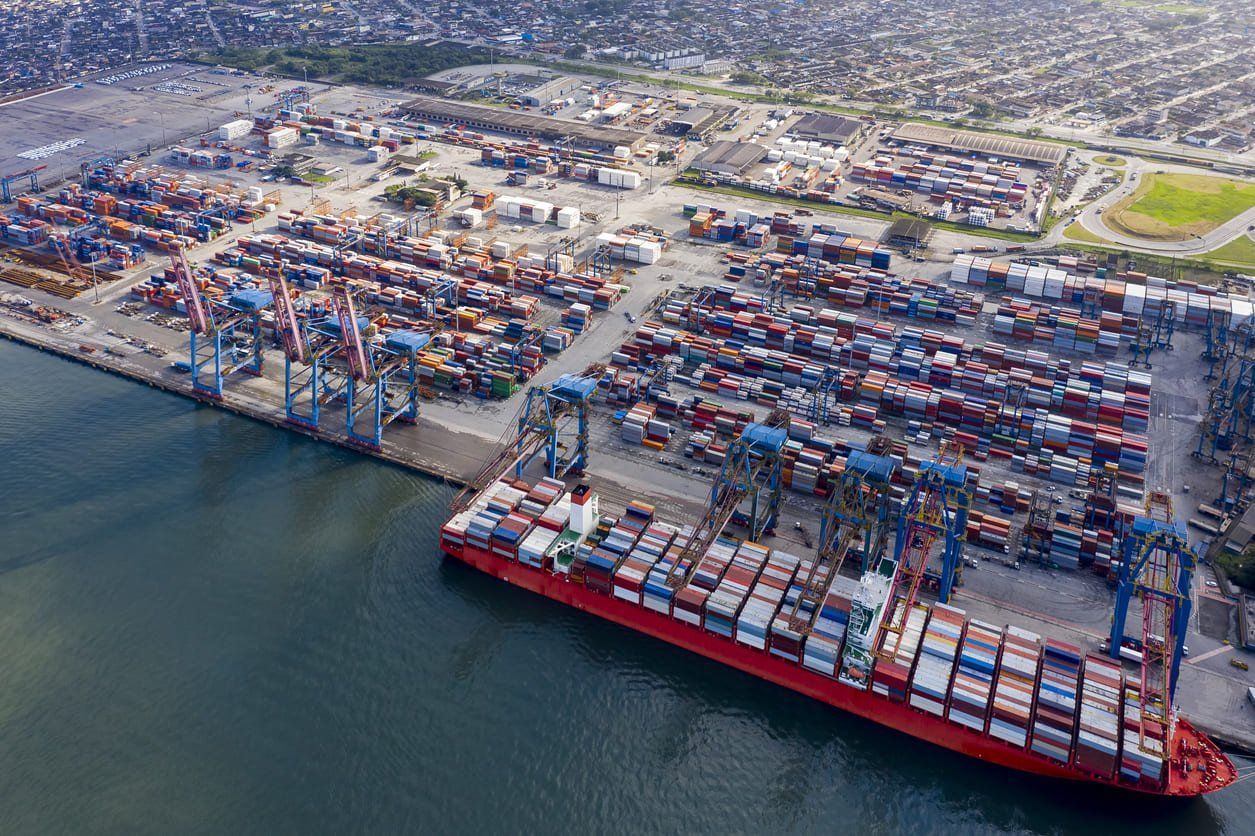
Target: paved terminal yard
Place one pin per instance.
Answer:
(139, 113)
(454, 435)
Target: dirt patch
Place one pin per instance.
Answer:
(1215, 617)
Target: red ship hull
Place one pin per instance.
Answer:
(1210, 770)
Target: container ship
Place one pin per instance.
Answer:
(1000, 694)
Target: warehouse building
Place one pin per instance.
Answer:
(550, 89)
(728, 157)
(825, 127)
(481, 118)
(988, 145)
(698, 121)
(908, 232)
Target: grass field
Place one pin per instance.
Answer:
(1176, 207)
(1238, 254)
(1077, 232)
(1110, 160)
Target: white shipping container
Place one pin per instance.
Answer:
(282, 137)
(235, 130)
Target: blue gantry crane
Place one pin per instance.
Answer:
(557, 415)
(936, 508)
(1230, 416)
(226, 334)
(854, 521)
(860, 501)
(1010, 417)
(309, 354)
(31, 175)
(87, 166)
(827, 393)
(751, 475)
(1216, 350)
(553, 423)
(1154, 332)
(1157, 567)
(382, 379)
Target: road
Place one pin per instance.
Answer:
(1091, 217)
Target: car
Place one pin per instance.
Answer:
(1212, 585)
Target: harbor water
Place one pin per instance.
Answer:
(208, 625)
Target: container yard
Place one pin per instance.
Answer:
(694, 387)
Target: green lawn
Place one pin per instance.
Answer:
(1238, 254)
(1110, 160)
(1176, 207)
(1076, 232)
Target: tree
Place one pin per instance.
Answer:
(983, 110)
(666, 156)
(1240, 569)
(748, 77)
(575, 51)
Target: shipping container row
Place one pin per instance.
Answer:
(886, 379)
(1134, 295)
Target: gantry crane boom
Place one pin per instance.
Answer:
(197, 310)
(350, 334)
(286, 321)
